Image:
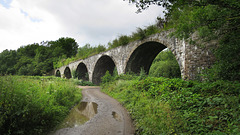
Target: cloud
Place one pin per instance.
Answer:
(94, 22)
(5, 3)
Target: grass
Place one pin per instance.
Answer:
(34, 105)
(174, 106)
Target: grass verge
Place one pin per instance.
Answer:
(34, 105)
(175, 106)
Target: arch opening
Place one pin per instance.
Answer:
(58, 74)
(82, 72)
(143, 57)
(165, 65)
(104, 64)
(67, 73)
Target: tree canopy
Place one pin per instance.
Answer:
(211, 20)
(36, 59)
(205, 16)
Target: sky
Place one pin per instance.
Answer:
(24, 22)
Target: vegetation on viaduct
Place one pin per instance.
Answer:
(204, 39)
(140, 54)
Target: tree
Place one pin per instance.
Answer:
(144, 4)
(43, 61)
(36, 59)
(25, 59)
(211, 20)
(205, 16)
(67, 46)
(8, 59)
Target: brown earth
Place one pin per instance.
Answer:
(111, 118)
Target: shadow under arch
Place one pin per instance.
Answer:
(104, 64)
(82, 72)
(67, 73)
(143, 56)
(58, 74)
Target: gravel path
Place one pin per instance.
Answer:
(111, 118)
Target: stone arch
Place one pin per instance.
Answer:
(67, 73)
(143, 56)
(103, 64)
(82, 72)
(58, 73)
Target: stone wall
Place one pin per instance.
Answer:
(191, 58)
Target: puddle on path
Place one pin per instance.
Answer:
(80, 114)
(116, 116)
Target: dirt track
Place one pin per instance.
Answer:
(111, 117)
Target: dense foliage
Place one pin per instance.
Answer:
(82, 53)
(34, 105)
(165, 65)
(40, 59)
(140, 34)
(88, 50)
(36, 59)
(174, 106)
(211, 20)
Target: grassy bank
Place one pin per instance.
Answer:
(174, 106)
(34, 105)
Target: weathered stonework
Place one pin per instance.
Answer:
(141, 53)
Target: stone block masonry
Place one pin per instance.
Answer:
(140, 54)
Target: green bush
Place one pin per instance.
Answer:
(165, 65)
(83, 83)
(34, 105)
(107, 77)
(140, 34)
(174, 106)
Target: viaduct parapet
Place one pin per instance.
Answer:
(140, 54)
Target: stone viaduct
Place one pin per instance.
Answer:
(140, 54)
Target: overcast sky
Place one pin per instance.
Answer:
(24, 22)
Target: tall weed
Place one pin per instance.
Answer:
(174, 106)
(34, 105)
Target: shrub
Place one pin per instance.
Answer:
(107, 77)
(83, 83)
(34, 105)
(174, 106)
(165, 65)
